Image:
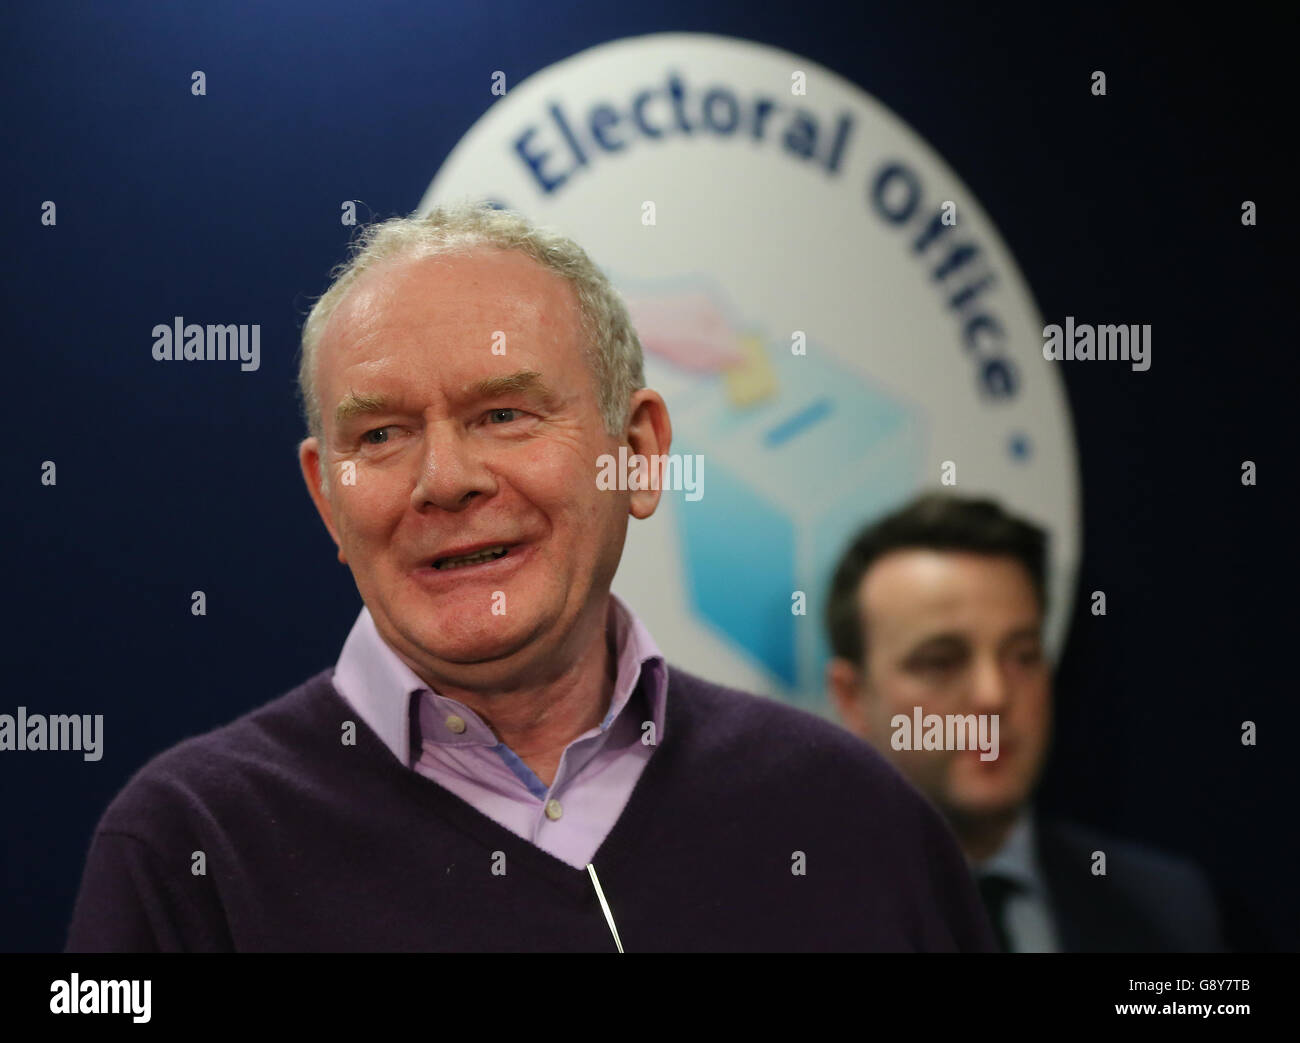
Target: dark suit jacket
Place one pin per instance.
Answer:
(1148, 901)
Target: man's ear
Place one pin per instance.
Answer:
(844, 683)
(650, 434)
(313, 474)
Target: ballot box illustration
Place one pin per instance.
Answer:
(799, 452)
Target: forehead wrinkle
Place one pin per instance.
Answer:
(545, 314)
(359, 403)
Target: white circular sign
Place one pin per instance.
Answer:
(828, 312)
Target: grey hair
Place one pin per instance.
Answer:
(612, 347)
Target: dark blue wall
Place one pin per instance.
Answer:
(176, 479)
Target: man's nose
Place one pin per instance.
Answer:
(990, 689)
(452, 471)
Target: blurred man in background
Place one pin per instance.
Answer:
(940, 607)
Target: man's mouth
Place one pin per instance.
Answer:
(478, 557)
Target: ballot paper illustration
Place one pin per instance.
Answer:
(800, 451)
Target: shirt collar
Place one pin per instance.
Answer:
(1017, 858)
(379, 685)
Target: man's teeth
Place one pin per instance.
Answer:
(487, 554)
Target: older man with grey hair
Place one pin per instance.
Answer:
(501, 758)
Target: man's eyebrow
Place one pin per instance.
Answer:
(526, 380)
(355, 404)
(1027, 631)
(943, 640)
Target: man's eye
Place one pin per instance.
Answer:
(370, 436)
(935, 664)
(496, 414)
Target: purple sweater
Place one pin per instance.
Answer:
(309, 844)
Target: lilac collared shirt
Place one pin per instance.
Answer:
(597, 770)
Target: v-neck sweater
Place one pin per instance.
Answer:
(754, 826)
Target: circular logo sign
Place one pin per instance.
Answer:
(833, 320)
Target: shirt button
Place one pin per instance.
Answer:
(553, 809)
(456, 724)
